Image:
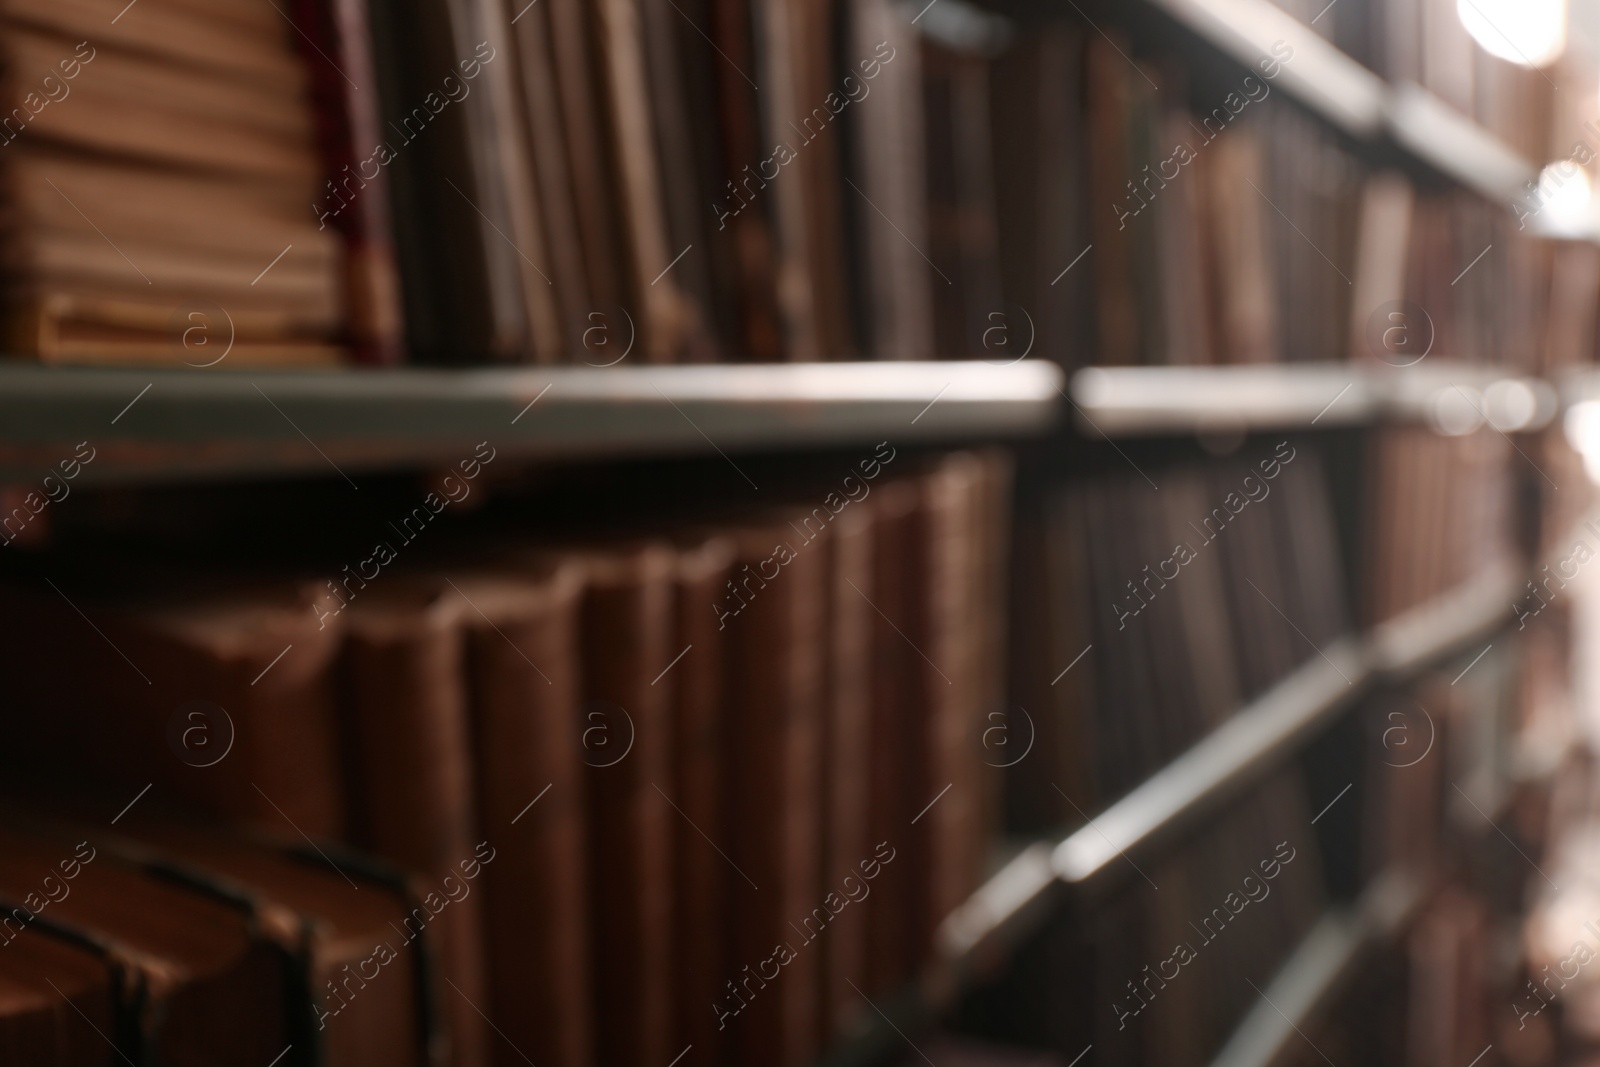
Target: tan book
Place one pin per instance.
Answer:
(184, 32)
(410, 742)
(522, 633)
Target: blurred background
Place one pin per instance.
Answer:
(655, 533)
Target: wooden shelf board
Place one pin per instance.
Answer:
(187, 425)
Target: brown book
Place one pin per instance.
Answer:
(963, 237)
(587, 150)
(1037, 96)
(522, 650)
(704, 882)
(951, 824)
(686, 192)
(55, 994)
(1382, 236)
(412, 773)
(819, 134)
(744, 212)
(357, 984)
(660, 309)
(547, 142)
(626, 744)
(212, 991)
(350, 126)
(775, 648)
(194, 35)
(899, 701)
(780, 57)
(890, 181)
(849, 762)
(137, 109)
(1247, 295)
(1114, 211)
(227, 699)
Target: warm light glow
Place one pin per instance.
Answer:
(1529, 33)
(1565, 198)
(1583, 434)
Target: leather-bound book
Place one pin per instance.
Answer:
(45, 983)
(780, 57)
(357, 988)
(849, 762)
(625, 741)
(226, 699)
(412, 775)
(745, 228)
(523, 663)
(703, 881)
(889, 146)
(951, 825)
(197, 984)
(899, 702)
(776, 644)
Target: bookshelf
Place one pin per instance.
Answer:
(1385, 119)
(1317, 971)
(1040, 877)
(172, 426)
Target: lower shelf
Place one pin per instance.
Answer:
(1312, 978)
(1043, 876)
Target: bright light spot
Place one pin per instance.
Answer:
(1510, 405)
(1457, 410)
(1529, 33)
(1583, 434)
(1565, 198)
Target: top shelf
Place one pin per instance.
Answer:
(150, 425)
(1357, 102)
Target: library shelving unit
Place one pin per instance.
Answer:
(1038, 879)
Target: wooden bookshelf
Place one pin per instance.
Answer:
(1040, 877)
(150, 426)
(1384, 118)
(1313, 976)
(1150, 401)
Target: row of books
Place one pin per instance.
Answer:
(1166, 969)
(606, 183)
(1156, 614)
(1161, 971)
(1427, 43)
(1229, 227)
(459, 181)
(1440, 511)
(713, 788)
